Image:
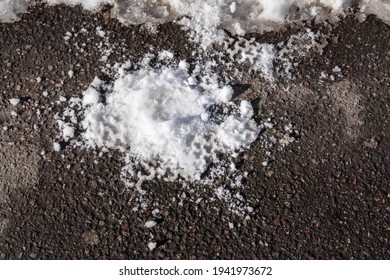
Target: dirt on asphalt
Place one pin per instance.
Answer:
(323, 194)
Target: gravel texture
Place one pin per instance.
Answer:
(323, 195)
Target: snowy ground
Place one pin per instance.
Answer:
(181, 140)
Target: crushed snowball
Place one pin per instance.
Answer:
(166, 125)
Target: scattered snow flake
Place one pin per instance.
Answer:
(150, 224)
(14, 101)
(67, 130)
(337, 69)
(152, 245)
(56, 146)
(260, 56)
(167, 122)
(68, 35)
(268, 124)
(100, 32)
(239, 196)
(233, 7)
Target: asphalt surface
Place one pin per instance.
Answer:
(325, 195)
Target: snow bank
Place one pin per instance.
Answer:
(207, 18)
(167, 123)
(249, 15)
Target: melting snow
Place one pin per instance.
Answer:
(208, 18)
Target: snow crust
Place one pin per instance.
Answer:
(250, 15)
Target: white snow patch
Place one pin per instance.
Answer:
(166, 125)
